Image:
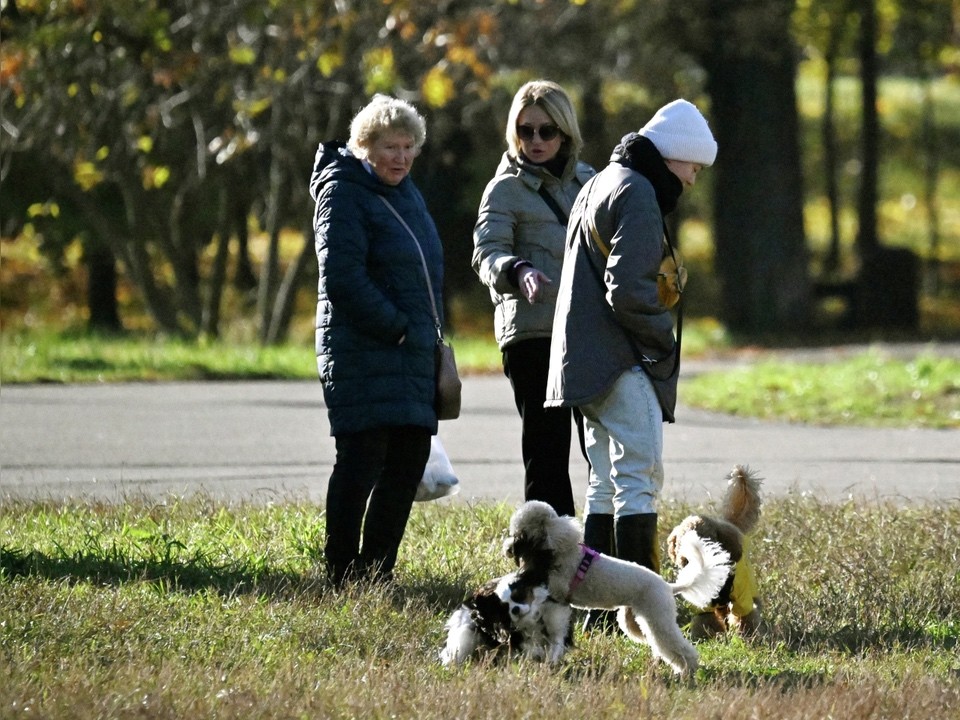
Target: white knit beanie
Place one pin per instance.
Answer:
(680, 132)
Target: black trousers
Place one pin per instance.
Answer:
(545, 440)
(371, 490)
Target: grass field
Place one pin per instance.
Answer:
(198, 609)
(194, 609)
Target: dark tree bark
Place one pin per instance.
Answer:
(758, 196)
(285, 302)
(830, 158)
(888, 285)
(210, 325)
(747, 52)
(867, 241)
(101, 287)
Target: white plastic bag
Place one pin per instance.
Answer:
(438, 479)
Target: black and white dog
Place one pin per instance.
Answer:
(514, 615)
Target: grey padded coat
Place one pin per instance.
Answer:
(515, 223)
(602, 324)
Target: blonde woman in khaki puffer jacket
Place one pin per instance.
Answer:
(518, 254)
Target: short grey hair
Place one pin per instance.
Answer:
(381, 115)
(556, 103)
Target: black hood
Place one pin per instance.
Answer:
(640, 154)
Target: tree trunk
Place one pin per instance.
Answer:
(178, 240)
(930, 184)
(244, 278)
(157, 300)
(286, 300)
(101, 287)
(210, 325)
(761, 257)
(867, 240)
(132, 253)
(829, 138)
(889, 277)
(271, 264)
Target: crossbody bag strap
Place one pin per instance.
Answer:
(553, 204)
(423, 261)
(666, 235)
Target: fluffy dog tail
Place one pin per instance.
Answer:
(707, 569)
(741, 502)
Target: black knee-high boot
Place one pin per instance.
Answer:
(636, 538)
(598, 534)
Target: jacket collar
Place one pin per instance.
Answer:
(640, 154)
(535, 175)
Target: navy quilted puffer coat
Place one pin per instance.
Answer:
(372, 292)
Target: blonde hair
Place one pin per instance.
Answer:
(381, 115)
(556, 103)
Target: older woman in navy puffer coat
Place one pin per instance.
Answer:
(376, 334)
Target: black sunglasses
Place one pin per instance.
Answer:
(546, 132)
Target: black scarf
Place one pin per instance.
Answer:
(555, 166)
(640, 154)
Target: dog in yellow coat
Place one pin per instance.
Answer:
(737, 605)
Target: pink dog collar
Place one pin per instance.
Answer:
(589, 554)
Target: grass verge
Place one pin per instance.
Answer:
(873, 388)
(189, 608)
(870, 389)
(36, 357)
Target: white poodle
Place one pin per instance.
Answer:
(515, 614)
(546, 545)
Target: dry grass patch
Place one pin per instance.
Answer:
(189, 609)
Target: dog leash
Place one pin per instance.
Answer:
(589, 555)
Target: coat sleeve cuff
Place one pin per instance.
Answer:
(514, 269)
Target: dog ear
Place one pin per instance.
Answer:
(508, 550)
(672, 539)
(481, 594)
(690, 522)
(522, 546)
(491, 618)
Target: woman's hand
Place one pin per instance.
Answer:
(532, 282)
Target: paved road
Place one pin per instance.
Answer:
(269, 441)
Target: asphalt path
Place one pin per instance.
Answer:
(269, 441)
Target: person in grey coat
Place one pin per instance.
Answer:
(613, 353)
(375, 334)
(518, 252)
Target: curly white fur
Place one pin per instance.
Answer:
(542, 542)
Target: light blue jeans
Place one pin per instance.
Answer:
(624, 439)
